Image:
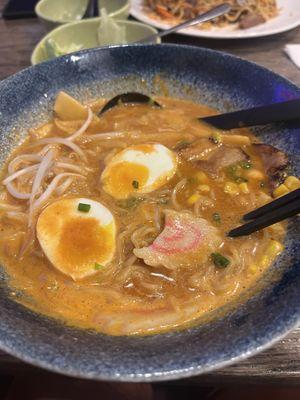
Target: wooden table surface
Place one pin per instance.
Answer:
(281, 363)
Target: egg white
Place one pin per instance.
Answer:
(161, 164)
(51, 226)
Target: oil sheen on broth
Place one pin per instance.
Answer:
(118, 223)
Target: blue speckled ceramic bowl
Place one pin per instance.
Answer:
(217, 79)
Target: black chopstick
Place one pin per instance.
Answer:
(270, 217)
(281, 201)
(277, 112)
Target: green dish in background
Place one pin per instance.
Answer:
(57, 12)
(84, 35)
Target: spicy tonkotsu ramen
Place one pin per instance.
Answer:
(117, 222)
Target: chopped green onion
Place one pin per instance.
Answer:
(98, 266)
(232, 173)
(231, 170)
(246, 164)
(135, 184)
(216, 138)
(84, 207)
(192, 180)
(183, 144)
(219, 260)
(217, 217)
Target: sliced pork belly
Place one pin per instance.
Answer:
(222, 158)
(185, 241)
(210, 157)
(274, 160)
(201, 149)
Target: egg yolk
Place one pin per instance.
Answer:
(84, 242)
(125, 178)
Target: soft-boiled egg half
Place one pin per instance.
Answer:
(140, 168)
(77, 236)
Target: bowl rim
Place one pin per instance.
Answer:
(86, 22)
(66, 21)
(179, 372)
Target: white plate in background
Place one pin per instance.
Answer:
(288, 18)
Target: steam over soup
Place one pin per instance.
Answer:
(118, 222)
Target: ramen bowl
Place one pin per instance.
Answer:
(260, 317)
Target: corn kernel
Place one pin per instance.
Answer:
(277, 229)
(274, 249)
(263, 199)
(193, 199)
(252, 269)
(292, 182)
(244, 187)
(265, 261)
(217, 137)
(204, 188)
(255, 174)
(201, 176)
(280, 191)
(231, 188)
